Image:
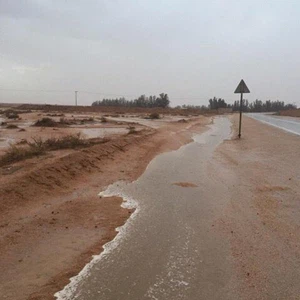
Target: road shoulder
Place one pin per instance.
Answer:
(261, 218)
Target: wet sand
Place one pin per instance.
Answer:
(159, 253)
(256, 220)
(52, 220)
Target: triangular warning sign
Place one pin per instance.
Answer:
(242, 88)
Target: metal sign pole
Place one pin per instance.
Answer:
(241, 110)
(241, 89)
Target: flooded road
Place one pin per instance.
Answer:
(168, 249)
(288, 124)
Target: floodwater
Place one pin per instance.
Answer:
(155, 123)
(102, 132)
(168, 249)
(288, 124)
(5, 140)
(6, 137)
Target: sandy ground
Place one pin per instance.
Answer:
(246, 224)
(52, 220)
(291, 113)
(262, 218)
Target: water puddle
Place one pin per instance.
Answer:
(6, 142)
(156, 123)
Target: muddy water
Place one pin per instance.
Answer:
(168, 249)
(5, 139)
(155, 123)
(5, 142)
(102, 132)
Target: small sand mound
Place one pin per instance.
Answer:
(182, 121)
(185, 184)
(271, 188)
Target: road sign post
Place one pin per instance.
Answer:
(241, 89)
(241, 109)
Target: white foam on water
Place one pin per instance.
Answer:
(68, 293)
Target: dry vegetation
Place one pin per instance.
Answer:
(38, 146)
(62, 109)
(154, 116)
(13, 113)
(290, 113)
(11, 126)
(132, 130)
(46, 122)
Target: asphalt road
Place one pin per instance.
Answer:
(288, 124)
(168, 249)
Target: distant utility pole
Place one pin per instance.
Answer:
(76, 97)
(241, 89)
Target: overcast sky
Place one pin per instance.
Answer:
(191, 50)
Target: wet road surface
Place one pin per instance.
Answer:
(168, 249)
(288, 124)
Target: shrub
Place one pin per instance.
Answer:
(10, 114)
(182, 121)
(22, 142)
(11, 126)
(66, 142)
(38, 147)
(153, 116)
(14, 154)
(87, 120)
(55, 115)
(45, 122)
(62, 120)
(132, 130)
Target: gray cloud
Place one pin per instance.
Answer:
(192, 50)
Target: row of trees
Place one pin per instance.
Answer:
(142, 101)
(260, 106)
(255, 106)
(214, 103)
